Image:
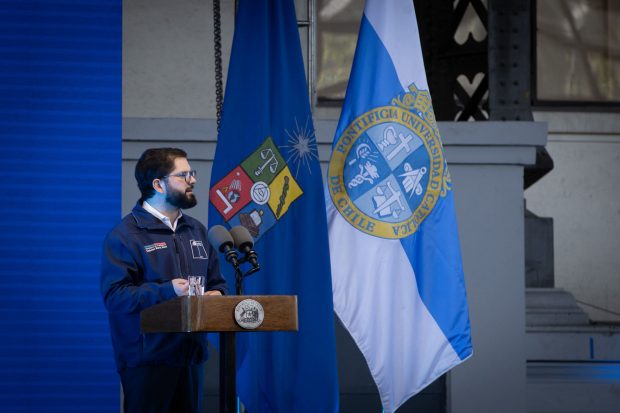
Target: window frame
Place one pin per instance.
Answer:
(551, 104)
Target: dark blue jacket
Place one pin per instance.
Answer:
(141, 255)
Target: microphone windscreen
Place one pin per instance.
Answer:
(242, 237)
(219, 237)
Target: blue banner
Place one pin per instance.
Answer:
(266, 177)
(61, 162)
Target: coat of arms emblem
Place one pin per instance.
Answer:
(387, 169)
(258, 192)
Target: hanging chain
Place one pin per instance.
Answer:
(217, 40)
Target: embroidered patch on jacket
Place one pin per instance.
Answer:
(156, 246)
(198, 250)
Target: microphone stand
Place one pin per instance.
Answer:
(224, 239)
(228, 373)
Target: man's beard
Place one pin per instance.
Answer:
(183, 200)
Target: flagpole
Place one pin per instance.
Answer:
(228, 368)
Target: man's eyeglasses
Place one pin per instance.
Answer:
(187, 175)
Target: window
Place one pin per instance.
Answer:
(338, 24)
(577, 52)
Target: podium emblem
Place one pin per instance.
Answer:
(249, 314)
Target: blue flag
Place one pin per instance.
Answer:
(396, 262)
(266, 177)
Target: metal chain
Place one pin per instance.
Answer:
(217, 41)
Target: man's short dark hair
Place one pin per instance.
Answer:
(153, 164)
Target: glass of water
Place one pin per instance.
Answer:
(196, 285)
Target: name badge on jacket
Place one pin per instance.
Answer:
(198, 250)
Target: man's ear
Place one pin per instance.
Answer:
(158, 185)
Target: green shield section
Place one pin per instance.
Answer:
(264, 163)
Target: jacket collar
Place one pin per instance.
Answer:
(144, 219)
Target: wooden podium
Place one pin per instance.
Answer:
(217, 314)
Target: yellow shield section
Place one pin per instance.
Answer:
(284, 190)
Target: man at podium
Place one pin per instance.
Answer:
(147, 259)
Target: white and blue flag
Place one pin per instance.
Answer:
(395, 256)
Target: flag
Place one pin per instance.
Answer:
(395, 255)
(266, 177)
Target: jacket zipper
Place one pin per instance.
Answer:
(178, 252)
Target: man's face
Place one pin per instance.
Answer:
(179, 191)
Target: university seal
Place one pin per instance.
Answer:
(387, 169)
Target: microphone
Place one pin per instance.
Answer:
(220, 238)
(245, 244)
